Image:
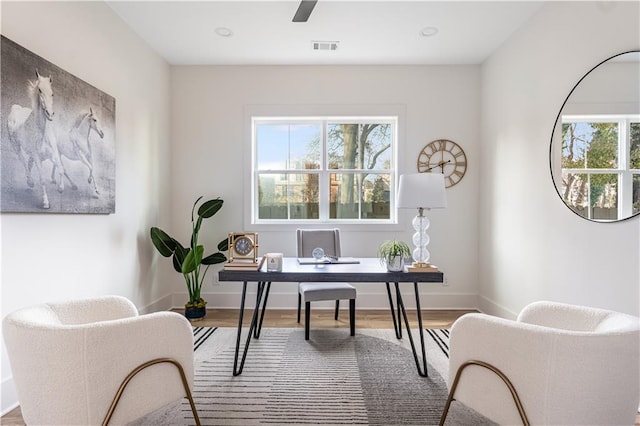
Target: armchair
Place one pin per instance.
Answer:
(96, 361)
(556, 364)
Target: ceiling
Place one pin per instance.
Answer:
(368, 32)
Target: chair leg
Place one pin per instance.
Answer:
(337, 309)
(352, 316)
(307, 319)
(138, 369)
(505, 380)
(299, 303)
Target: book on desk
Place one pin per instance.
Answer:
(244, 265)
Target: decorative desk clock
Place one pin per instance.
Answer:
(243, 247)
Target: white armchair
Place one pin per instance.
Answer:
(95, 361)
(568, 365)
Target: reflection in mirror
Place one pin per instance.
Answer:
(595, 146)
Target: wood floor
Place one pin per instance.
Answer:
(319, 319)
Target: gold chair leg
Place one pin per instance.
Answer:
(138, 369)
(505, 379)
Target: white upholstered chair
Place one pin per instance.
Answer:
(329, 241)
(566, 364)
(70, 361)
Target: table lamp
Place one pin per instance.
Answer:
(421, 191)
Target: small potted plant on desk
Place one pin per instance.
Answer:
(393, 253)
(188, 261)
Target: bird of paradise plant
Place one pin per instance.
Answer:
(188, 261)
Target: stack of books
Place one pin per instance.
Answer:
(429, 268)
(244, 265)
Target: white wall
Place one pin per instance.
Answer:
(48, 257)
(532, 246)
(210, 107)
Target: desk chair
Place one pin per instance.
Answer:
(329, 241)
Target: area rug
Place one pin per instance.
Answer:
(332, 379)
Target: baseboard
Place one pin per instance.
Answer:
(364, 301)
(9, 396)
(163, 304)
(492, 308)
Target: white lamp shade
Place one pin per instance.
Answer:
(422, 190)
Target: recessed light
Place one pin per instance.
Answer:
(428, 31)
(224, 32)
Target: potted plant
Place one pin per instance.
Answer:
(189, 260)
(393, 253)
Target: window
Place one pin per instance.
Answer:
(323, 169)
(601, 165)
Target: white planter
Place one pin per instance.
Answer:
(395, 264)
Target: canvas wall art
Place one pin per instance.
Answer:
(57, 139)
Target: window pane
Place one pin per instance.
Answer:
(344, 196)
(376, 194)
(575, 192)
(590, 145)
(604, 196)
(272, 197)
(288, 146)
(304, 196)
(636, 194)
(288, 196)
(359, 146)
(635, 146)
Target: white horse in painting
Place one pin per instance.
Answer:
(78, 148)
(27, 128)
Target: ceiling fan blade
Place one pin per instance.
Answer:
(304, 10)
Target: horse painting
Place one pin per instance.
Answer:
(27, 128)
(77, 146)
(43, 156)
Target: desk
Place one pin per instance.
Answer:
(369, 270)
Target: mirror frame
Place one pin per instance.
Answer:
(553, 131)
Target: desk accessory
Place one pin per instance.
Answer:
(421, 191)
(245, 265)
(327, 260)
(274, 262)
(243, 246)
(393, 253)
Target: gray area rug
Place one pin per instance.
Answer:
(332, 379)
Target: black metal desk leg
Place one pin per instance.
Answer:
(252, 327)
(419, 312)
(422, 369)
(258, 329)
(398, 299)
(397, 326)
(241, 315)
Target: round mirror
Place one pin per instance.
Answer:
(595, 145)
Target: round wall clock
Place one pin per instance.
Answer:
(243, 246)
(446, 157)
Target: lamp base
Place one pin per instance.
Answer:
(422, 267)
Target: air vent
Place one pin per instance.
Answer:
(325, 45)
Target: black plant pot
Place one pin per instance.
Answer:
(195, 312)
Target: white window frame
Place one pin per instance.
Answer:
(624, 171)
(392, 114)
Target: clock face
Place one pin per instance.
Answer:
(243, 245)
(446, 157)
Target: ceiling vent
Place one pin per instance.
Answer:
(325, 45)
